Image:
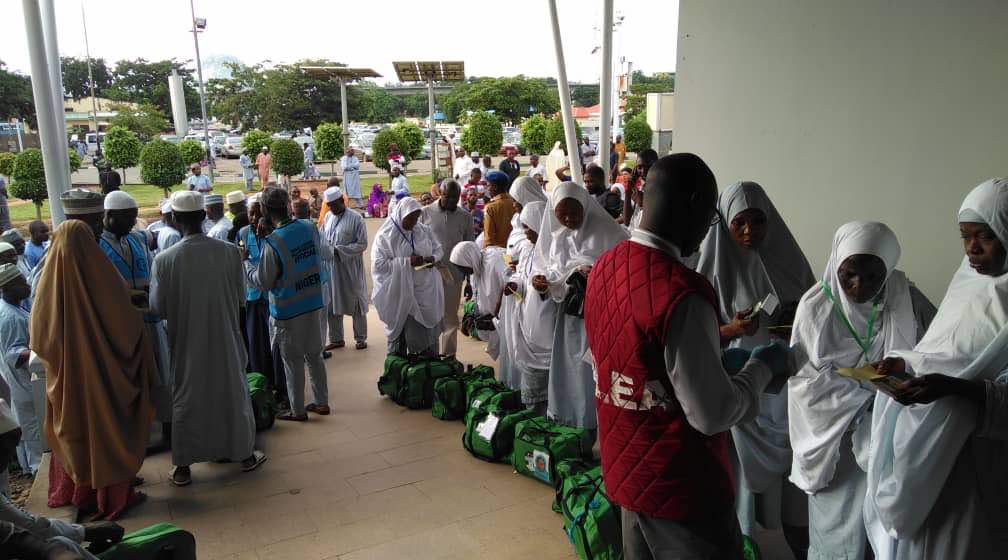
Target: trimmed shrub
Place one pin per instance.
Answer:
(637, 134)
(191, 151)
(287, 157)
(28, 180)
(411, 139)
(74, 160)
(535, 135)
(161, 165)
(380, 147)
(122, 148)
(484, 134)
(254, 140)
(556, 133)
(328, 141)
(6, 163)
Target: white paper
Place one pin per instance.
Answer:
(769, 304)
(488, 427)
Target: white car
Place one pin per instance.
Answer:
(232, 147)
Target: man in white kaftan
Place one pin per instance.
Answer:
(351, 177)
(212, 415)
(345, 234)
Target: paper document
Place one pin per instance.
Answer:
(488, 427)
(769, 304)
(888, 384)
(863, 373)
(423, 266)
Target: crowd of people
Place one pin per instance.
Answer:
(725, 382)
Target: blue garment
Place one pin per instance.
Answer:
(28, 408)
(254, 253)
(134, 267)
(33, 253)
(298, 290)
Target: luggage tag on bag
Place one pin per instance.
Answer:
(488, 427)
(769, 304)
(538, 463)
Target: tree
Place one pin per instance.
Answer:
(76, 83)
(28, 181)
(584, 95)
(142, 81)
(411, 139)
(415, 105)
(641, 85)
(375, 104)
(557, 133)
(74, 160)
(637, 134)
(6, 163)
(328, 141)
(484, 134)
(287, 157)
(122, 148)
(146, 120)
(254, 140)
(380, 147)
(192, 152)
(511, 98)
(535, 135)
(161, 165)
(16, 99)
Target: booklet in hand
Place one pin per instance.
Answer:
(769, 304)
(888, 384)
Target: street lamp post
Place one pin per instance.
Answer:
(94, 102)
(197, 26)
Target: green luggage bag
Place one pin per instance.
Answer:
(539, 445)
(489, 433)
(496, 394)
(417, 390)
(391, 380)
(449, 392)
(264, 406)
(163, 541)
(591, 521)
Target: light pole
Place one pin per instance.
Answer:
(199, 24)
(429, 72)
(94, 102)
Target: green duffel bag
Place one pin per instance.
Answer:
(539, 445)
(417, 390)
(390, 381)
(591, 521)
(264, 406)
(489, 433)
(474, 386)
(449, 392)
(163, 541)
(495, 394)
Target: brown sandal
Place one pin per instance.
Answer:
(291, 417)
(320, 409)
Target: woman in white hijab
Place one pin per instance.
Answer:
(748, 255)
(862, 309)
(524, 190)
(936, 474)
(531, 332)
(556, 159)
(574, 233)
(487, 273)
(407, 289)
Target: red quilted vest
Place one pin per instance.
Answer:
(653, 461)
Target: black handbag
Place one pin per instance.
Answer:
(577, 286)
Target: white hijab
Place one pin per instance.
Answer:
(524, 190)
(489, 272)
(399, 290)
(914, 448)
(561, 250)
(821, 404)
(742, 277)
(533, 334)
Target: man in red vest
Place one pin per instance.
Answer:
(664, 400)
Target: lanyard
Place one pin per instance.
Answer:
(410, 238)
(864, 344)
(334, 233)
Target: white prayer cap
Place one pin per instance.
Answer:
(10, 236)
(8, 272)
(213, 199)
(333, 193)
(186, 201)
(7, 421)
(166, 206)
(120, 200)
(234, 197)
(474, 154)
(255, 197)
(4, 247)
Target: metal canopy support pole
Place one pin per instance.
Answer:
(605, 88)
(54, 148)
(343, 113)
(94, 102)
(202, 95)
(48, 11)
(430, 124)
(565, 102)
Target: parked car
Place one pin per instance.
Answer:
(361, 145)
(232, 147)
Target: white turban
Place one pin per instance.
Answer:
(166, 206)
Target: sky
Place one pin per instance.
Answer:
(492, 38)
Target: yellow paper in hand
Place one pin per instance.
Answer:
(863, 373)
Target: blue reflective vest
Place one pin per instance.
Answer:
(136, 273)
(298, 289)
(254, 254)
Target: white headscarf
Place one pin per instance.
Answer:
(489, 272)
(525, 189)
(561, 250)
(821, 404)
(914, 448)
(742, 277)
(533, 334)
(399, 290)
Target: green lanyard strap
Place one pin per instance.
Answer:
(864, 344)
